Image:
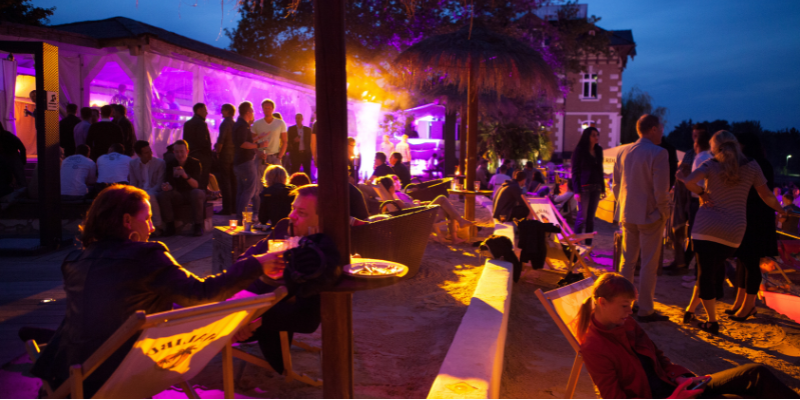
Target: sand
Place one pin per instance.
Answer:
(402, 334)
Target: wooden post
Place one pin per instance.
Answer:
(331, 81)
(449, 132)
(462, 139)
(472, 140)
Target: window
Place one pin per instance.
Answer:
(589, 86)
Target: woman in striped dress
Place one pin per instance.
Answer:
(722, 219)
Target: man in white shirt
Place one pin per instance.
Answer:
(270, 135)
(113, 167)
(405, 150)
(498, 179)
(147, 173)
(82, 129)
(77, 172)
(387, 147)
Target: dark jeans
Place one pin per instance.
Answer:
(711, 258)
(694, 205)
(227, 186)
(301, 159)
(590, 199)
(748, 274)
(245, 185)
(749, 381)
(194, 198)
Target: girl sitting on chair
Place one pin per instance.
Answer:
(624, 363)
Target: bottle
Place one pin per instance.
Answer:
(247, 217)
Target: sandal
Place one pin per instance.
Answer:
(752, 313)
(710, 327)
(688, 317)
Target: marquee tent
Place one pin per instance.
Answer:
(159, 76)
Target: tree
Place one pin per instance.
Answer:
(681, 135)
(636, 103)
(22, 12)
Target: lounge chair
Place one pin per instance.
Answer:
(546, 211)
(430, 190)
(402, 238)
(172, 348)
(288, 370)
(562, 304)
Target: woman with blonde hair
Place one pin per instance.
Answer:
(722, 219)
(624, 363)
(276, 200)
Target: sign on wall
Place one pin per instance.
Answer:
(52, 101)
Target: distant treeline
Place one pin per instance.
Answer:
(777, 144)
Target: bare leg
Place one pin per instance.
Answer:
(695, 299)
(747, 305)
(711, 311)
(740, 296)
(450, 211)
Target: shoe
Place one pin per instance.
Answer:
(752, 313)
(197, 230)
(730, 311)
(689, 285)
(710, 327)
(688, 317)
(654, 317)
(170, 231)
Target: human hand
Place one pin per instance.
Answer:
(705, 201)
(246, 331)
(681, 392)
(262, 155)
(272, 264)
(680, 175)
(166, 187)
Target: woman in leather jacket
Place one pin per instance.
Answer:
(118, 272)
(587, 179)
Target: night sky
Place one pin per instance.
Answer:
(704, 60)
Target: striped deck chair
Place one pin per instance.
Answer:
(562, 304)
(172, 348)
(546, 211)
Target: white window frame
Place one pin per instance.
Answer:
(588, 80)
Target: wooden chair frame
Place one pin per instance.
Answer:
(577, 365)
(569, 238)
(288, 371)
(139, 321)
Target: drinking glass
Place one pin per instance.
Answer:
(477, 186)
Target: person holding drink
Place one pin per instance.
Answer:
(180, 188)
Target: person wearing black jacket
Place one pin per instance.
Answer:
(66, 129)
(509, 203)
(181, 189)
(300, 146)
(118, 272)
(225, 152)
(587, 179)
(195, 132)
(673, 160)
(276, 201)
(128, 135)
(400, 169)
(12, 162)
(102, 134)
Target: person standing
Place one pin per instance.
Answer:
(244, 166)
(128, 135)
(66, 130)
(721, 222)
(405, 150)
(80, 130)
(77, 172)
(147, 173)
(387, 147)
(195, 132)
(300, 146)
(641, 187)
(225, 152)
(587, 179)
(482, 173)
(103, 134)
(181, 189)
(353, 159)
(12, 162)
(272, 139)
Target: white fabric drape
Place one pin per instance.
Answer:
(9, 84)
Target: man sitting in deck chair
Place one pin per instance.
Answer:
(509, 202)
(117, 273)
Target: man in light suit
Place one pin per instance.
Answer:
(300, 145)
(147, 173)
(641, 185)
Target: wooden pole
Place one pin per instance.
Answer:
(462, 139)
(450, 160)
(472, 140)
(334, 209)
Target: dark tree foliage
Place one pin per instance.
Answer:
(636, 103)
(22, 12)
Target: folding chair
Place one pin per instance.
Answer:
(563, 304)
(173, 347)
(545, 210)
(288, 371)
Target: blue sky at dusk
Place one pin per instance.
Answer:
(721, 59)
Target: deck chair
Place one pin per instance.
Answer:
(562, 304)
(172, 348)
(288, 371)
(545, 210)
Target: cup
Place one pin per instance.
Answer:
(233, 223)
(277, 245)
(453, 185)
(477, 186)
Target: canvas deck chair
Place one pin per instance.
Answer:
(563, 304)
(173, 347)
(546, 211)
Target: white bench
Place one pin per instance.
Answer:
(474, 363)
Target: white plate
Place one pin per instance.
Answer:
(359, 264)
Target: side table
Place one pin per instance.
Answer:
(230, 243)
